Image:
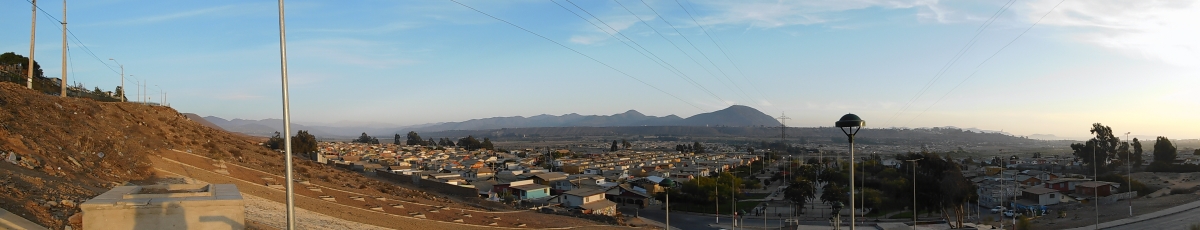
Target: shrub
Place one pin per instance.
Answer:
(1024, 224)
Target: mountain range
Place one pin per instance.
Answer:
(733, 116)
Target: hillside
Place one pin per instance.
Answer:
(735, 116)
(64, 151)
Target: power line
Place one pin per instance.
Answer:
(675, 71)
(580, 53)
(668, 40)
(77, 41)
(986, 60)
(710, 38)
(689, 41)
(953, 60)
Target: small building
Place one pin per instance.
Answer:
(1093, 188)
(1041, 196)
(589, 201)
(530, 191)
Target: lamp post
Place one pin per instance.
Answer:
(1128, 172)
(123, 89)
(1095, 191)
(668, 183)
(914, 176)
(287, 121)
(850, 124)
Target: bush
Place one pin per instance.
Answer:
(1024, 224)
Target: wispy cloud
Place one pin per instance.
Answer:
(218, 10)
(1159, 29)
(381, 29)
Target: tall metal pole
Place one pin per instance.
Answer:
(1095, 174)
(717, 198)
(63, 82)
(914, 176)
(32, 40)
(852, 183)
(287, 120)
(1128, 172)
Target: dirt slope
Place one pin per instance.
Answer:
(59, 152)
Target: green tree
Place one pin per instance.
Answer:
(614, 146)
(487, 144)
(470, 143)
(364, 138)
(120, 93)
(1164, 151)
(414, 138)
(304, 143)
(626, 144)
(799, 191)
(276, 142)
(697, 148)
(1103, 147)
(834, 193)
(396, 141)
(1137, 152)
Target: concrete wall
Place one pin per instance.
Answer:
(218, 206)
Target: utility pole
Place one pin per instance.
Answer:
(1095, 174)
(32, 40)
(914, 207)
(63, 82)
(123, 89)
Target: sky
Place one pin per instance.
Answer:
(1025, 66)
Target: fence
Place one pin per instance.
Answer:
(1117, 197)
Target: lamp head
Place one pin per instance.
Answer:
(850, 120)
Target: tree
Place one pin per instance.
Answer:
(414, 138)
(1164, 151)
(1196, 152)
(396, 141)
(364, 138)
(678, 148)
(470, 143)
(626, 144)
(1103, 147)
(276, 142)
(487, 144)
(120, 93)
(799, 191)
(1137, 152)
(614, 147)
(834, 193)
(304, 143)
(697, 148)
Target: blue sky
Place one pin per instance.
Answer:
(1132, 65)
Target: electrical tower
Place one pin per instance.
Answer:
(783, 130)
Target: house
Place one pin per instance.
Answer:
(1041, 196)
(1063, 184)
(1028, 180)
(479, 174)
(546, 178)
(589, 201)
(1093, 188)
(530, 191)
(625, 194)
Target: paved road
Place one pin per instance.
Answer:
(1181, 220)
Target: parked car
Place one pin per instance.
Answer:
(1009, 213)
(997, 209)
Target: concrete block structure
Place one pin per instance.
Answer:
(178, 206)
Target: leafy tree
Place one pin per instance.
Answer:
(799, 191)
(678, 148)
(626, 144)
(697, 148)
(1137, 152)
(614, 147)
(396, 141)
(1164, 151)
(470, 143)
(430, 142)
(414, 138)
(1103, 147)
(366, 139)
(487, 144)
(120, 93)
(834, 193)
(304, 143)
(276, 142)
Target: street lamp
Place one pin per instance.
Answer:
(914, 207)
(1128, 172)
(667, 183)
(850, 124)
